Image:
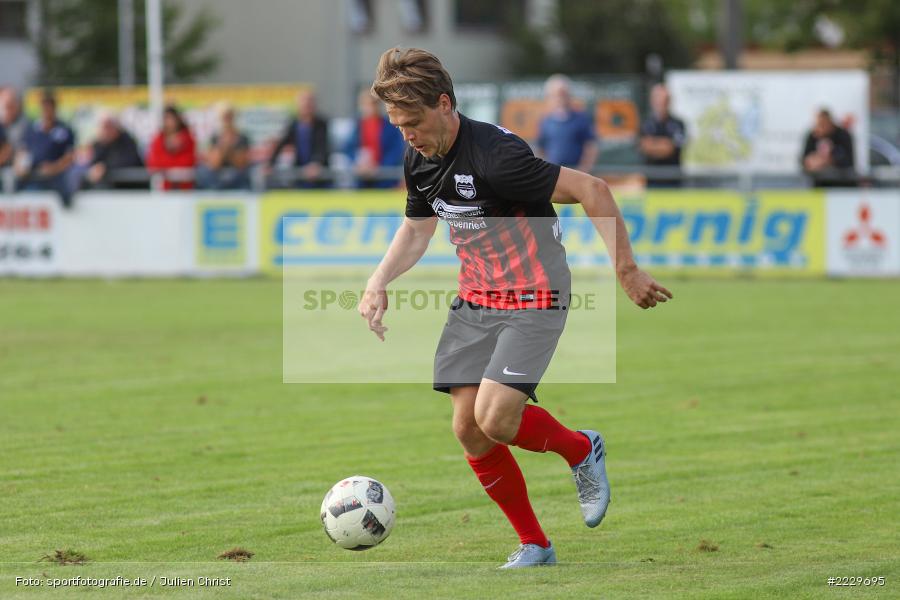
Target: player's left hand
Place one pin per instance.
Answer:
(643, 289)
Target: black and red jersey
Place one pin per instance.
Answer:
(495, 196)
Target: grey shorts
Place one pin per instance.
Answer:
(513, 347)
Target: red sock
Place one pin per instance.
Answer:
(499, 473)
(540, 432)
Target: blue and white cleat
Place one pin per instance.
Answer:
(530, 555)
(591, 481)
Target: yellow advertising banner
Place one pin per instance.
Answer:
(777, 231)
(71, 99)
(709, 231)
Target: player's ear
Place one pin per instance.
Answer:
(444, 103)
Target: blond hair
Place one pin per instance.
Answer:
(411, 79)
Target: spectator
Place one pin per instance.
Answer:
(113, 149)
(227, 162)
(13, 120)
(47, 153)
(828, 153)
(307, 135)
(374, 144)
(566, 136)
(662, 138)
(172, 152)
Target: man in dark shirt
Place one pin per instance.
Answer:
(307, 135)
(48, 153)
(495, 196)
(828, 153)
(114, 149)
(662, 138)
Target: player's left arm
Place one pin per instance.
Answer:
(597, 200)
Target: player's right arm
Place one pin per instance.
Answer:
(407, 247)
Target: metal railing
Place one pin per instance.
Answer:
(260, 178)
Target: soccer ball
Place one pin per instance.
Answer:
(358, 513)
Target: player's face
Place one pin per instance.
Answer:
(427, 129)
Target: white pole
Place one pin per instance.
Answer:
(126, 42)
(155, 59)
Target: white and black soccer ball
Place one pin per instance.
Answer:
(358, 513)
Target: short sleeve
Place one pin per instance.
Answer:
(2, 135)
(648, 128)
(417, 207)
(517, 175)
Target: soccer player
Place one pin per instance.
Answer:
(502, 330)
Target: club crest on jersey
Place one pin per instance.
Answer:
(465, 186)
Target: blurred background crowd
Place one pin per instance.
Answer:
(254, 104)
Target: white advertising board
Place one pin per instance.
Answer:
(27, 234)
(863, 233)
(115, 234)
(758, 120)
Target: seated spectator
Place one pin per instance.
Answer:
(227, 162)
(566, 136)
(307, 135)
(662, 138)
(828, 153)
(113, 149)
(172, 152)
(47, 153)
(13, 120)
(374, 144)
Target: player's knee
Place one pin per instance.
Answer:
(496, 425)
(465, 427)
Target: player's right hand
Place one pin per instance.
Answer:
(371, 307)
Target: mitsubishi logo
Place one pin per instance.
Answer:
(864, 231)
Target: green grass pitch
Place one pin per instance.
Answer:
(144, 424)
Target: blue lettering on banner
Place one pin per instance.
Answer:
(384, 225)
(303, 237)
(221, 228)
(287, 226)
(333, 228)
(783, 232)
(220, 234)
(720, 222)
(691, 236)
(733, 232)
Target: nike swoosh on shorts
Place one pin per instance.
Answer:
(506, 371)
